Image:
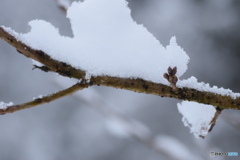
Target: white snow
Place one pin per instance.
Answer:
(201, 86)
(12, 32)
(4, 105)
(197, 117)
(40, 96)
(107, 41)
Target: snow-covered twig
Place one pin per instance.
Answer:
(198, 117)
(136, 85)
(45, 99)
(38, 55)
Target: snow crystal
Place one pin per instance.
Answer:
(4, 105)
(107, 41)
(197, 117)
(201, 86)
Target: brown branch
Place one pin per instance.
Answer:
(213, 121)
(46, 99)
(136, 85)
(215, 117)
(38, 55)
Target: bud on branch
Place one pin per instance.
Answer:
(171, 77)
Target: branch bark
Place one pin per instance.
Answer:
(136, 85)
(46, 99)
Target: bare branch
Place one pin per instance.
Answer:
(46, 99)
(136, 85)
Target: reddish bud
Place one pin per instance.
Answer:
(170, 71)
(174, 70)
(175, 79)
(166, 76)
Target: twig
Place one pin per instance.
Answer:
(46, 99)
(63, 4)
(136, 85)
(43, 68)
(214, 120)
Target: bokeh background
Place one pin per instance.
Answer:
(70, 128)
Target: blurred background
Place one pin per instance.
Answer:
(78, 127)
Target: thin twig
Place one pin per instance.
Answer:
(214, 120)
(46, 99)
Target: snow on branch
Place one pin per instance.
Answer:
(106, 41)
(110, 49)
(136, 85)
(4, 105)
(198, 117)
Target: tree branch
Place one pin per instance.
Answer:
(46, 99)
(136, 85)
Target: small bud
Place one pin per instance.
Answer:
(175, 79)
(170, 71)
(166, 76)
(174, 70)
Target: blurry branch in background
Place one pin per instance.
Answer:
(136, 85)
(232, 119)
(63, 4)
(45, 99)
(124, 127)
